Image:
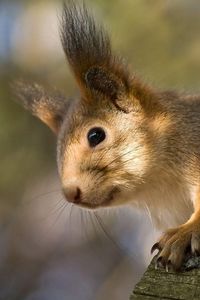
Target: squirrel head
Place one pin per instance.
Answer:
(108, 138)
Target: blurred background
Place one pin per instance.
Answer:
(49, 250)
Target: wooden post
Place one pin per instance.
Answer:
(159, 284)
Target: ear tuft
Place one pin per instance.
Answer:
(48, 107)
(88, 50)
(89, 53)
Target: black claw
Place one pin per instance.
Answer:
(188, 249)
(155, 247)
(168, 266)
(159, 259)
(196, 252)
(156, 265)
(160, 262)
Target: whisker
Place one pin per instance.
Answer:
(70, 214)
(121, 249)
(99, 221)
(84, 225)
(111, 162)
(149, 215)
(50, 213)
(115, 159)
(92, 222)
(56, 208)
(32, 199)
(102, 155)
(61, 210)
(87, 213)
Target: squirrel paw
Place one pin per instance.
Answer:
(175, 243)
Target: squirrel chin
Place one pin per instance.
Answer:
(108, 201)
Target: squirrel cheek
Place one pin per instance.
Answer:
(135, 158)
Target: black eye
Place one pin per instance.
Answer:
(95, 136)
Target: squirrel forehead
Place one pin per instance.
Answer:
(85, 114)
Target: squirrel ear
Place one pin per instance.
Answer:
(100, 80)
(49, 108)
(89, 53)
(88, 50)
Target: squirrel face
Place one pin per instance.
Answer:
(106, 138)
(102, 154)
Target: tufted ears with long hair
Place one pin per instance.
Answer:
(88, 51)
(98, 72)
(50, 108)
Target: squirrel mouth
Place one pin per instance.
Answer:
(105, 203)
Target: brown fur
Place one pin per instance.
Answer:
(151, 154)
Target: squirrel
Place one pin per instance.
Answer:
(123, 142)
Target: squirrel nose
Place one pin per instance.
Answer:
(72, 193)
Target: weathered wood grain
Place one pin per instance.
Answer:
(159, 284)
